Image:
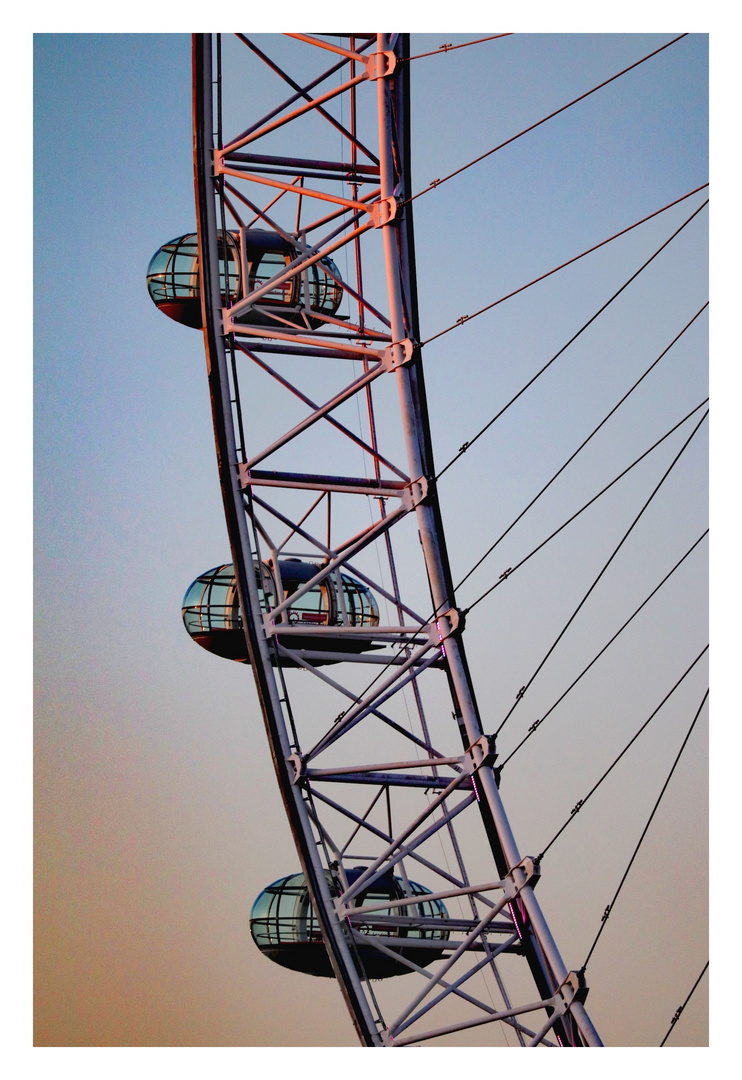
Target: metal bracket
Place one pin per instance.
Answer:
(383, 212)
(298, 762)
(390, 357)
(573, 989)
(446, 624)
(380, 65)
(415, 493)
(527, 872)
(486, 746)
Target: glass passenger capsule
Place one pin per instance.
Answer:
(211, 611)
(285, 929)
(247, 261)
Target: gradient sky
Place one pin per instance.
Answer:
(157, 817)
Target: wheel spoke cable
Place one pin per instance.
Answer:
(470, 442)
(437, 183)
(678, 1011)
(521, 693)
(467, 318)
(537, 724)
(608, 911)
(581, 802)
(577, 451)
(511, 569)
(443, 49)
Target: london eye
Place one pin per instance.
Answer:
(338, 593)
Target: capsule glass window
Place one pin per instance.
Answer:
(173, 270)
(315, 607)
(324, 293)
(272, 263)
(360, 603)
(211, 602)
(283, 914)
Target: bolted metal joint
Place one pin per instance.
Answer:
(384, 212)
(297, 762)
(572, 991)
(446, 624)
(394, 356)
(482, 752)
(380, 65)
(415, 493)
(527, 872)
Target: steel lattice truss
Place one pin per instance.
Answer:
(376, 775)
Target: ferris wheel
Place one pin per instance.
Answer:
(411, 890)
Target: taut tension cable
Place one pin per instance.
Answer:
(622, 541)
(678, 1011)
(582, 445)
(511, 569)
(443, 49)
(592, 319)
(436, 183)
(581, 802)
(537, 723)
(609, 909)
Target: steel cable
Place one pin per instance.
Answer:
(678, 1011)
(609, 909)
(437, 183)
(467, 318)
(581, 802)
(511, 569)
(470, 442)
(535, 726)
(443, 49)
(582, 445)
(624, 538)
